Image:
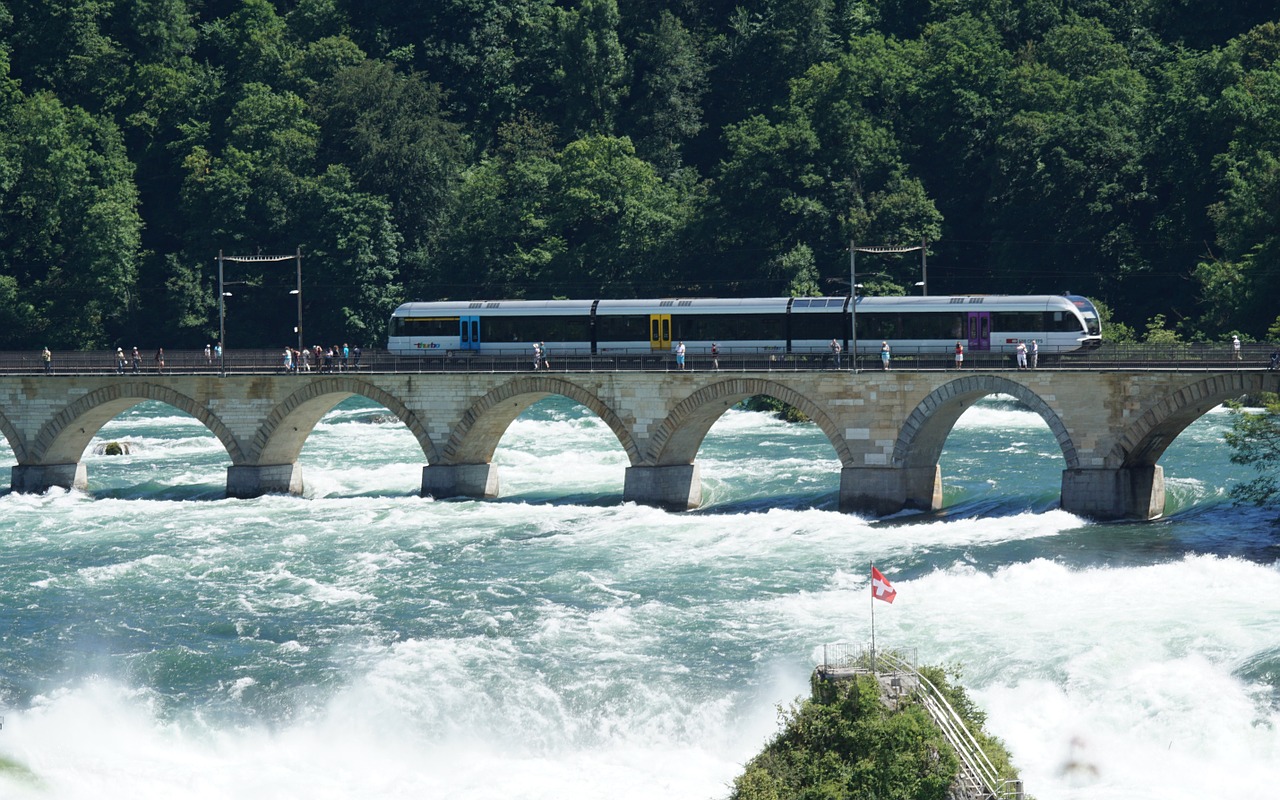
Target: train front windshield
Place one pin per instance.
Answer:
(1092, 324)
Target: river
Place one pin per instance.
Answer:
(158, 640)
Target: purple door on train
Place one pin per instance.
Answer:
(979, 330)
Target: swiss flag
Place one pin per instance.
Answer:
(881, 589)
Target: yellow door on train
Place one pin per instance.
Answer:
(659, 331)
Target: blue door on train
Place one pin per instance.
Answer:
(469, 332)
(979, 330)
(659, 332)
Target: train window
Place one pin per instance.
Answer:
(932, 325)
(729, 327)
(424, 326)
(633, 328)
(1062, 321)
(818, 326)
(1032, 321)
(538, 328)
(879, 326)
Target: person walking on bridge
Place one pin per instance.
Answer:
(47, 357)
(160, 360)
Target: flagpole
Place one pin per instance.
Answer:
(873, 619)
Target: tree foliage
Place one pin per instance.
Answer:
(539, 148)
(1255, 441)
(846, 742)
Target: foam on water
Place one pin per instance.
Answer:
(364, 641)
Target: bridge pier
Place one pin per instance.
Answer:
(39, 478)
(247, 481)
(1114, 494)
(888, 490)
(479, 481)
(677, 487)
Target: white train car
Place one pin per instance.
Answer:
(493, 327)
(748, 326)
(983, 323)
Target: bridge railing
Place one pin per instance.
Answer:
(1109, 356)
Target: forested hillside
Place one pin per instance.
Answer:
(421, 149)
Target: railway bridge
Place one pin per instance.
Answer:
(887, 428)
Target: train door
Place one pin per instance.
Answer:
(979, 330)
(469, 333)
(659, 331)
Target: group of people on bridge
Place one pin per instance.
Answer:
(328, 359)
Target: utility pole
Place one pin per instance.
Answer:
(853, 282)
(222, 295)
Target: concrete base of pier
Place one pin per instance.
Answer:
(677, 487)
(39, 478)
(478, 481)
(1114, 494)
(887, 490)
(255, 481)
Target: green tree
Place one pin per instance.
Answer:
(252, 44)
(761, 48)
(1245, 217)
(620, 220)
(1255, 441)
(668, 83)
(797, 268)
(391, 133)
(352, 260)
(69, 223)
(592, 68)
(61, 46)
(589, 220)
(1068, 183)
(846, 743)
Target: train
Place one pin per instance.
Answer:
(745, 326)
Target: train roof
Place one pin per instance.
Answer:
(525, 307)
(676, 305)
(727, 305)
(970, 302)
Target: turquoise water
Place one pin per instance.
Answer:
(159, 640)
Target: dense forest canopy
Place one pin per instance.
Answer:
(426, 149)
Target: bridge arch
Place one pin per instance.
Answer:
(476, 436)
(63, 439)
(282, 435)
(1144, 442)
(14, 437)
(924, 433)
(677, 438)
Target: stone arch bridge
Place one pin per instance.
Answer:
(887, 428)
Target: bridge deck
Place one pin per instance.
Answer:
(1109, 357)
